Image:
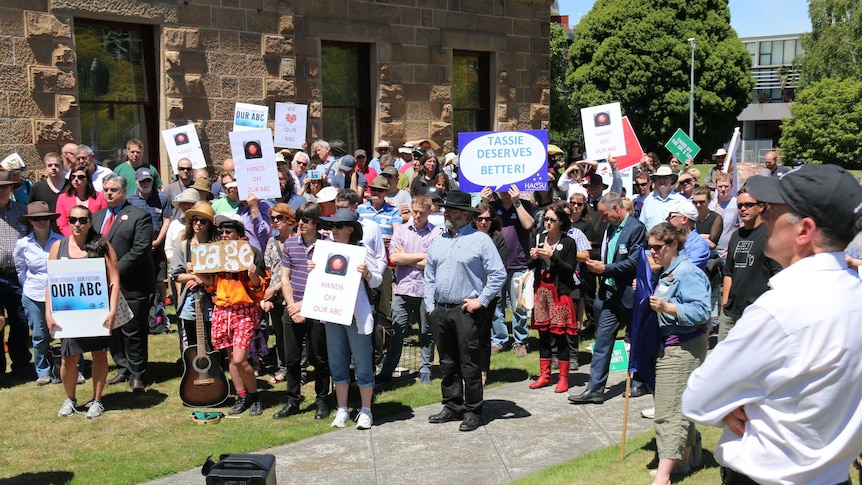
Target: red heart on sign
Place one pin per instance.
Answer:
(290, 117)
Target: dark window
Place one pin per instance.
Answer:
(346, 98)
(117, 88)
(470, 99)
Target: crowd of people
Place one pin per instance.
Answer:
(723, 259)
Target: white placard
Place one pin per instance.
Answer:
(254, 163)
(603, 131)
(183, 142)
(332, 286)
(249, 117)
(78, 289)
(290, 124)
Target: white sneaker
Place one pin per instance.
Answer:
(68, 407)
(341, 417)
(648, 413)
(364, 420)
(95, 409)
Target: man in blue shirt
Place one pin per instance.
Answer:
(654, 209)
(463, 273)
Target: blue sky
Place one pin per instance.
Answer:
(750, 18)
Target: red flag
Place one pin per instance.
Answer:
(633, 147)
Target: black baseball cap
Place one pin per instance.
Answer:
(826, 193)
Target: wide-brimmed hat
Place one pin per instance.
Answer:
(188, 195)
(828, 194)
(37, 209)
(407, 148)
(594, 179)
(346, 216)
(229, 218)
(721, 152)
(326, 194)
(459, 200)
(8, 178)
(201, 209)
(390, 170)
(383, 144)
(434, 193)
(338, 148)
(450, 158)
(204, 186)
(379, 182)
(429, 141)
(664, 171)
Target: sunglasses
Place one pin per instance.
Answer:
(79, 177)
(747, 205)
(226, 230)
(687, 181)
(304, 164)
(339, 225)
(279, 217)
(199, 220)
(76, 220)
(184, 169)
(375, 189)
(698, 202)
(641, 184)
(484, 219)
(656, 247)
(305, 220)
(577, 204)
(40, 219)
(552, 221)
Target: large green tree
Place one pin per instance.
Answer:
(826, 126)
(834, 46)
(636, 52)
(564, 120)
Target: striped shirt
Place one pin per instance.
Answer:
(10, 231)
(387, 218)
(295, 257)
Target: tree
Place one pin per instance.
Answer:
(826, 126)
(564, 120)
(636, 52)
(834, 46)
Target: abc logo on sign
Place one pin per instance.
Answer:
(336, 264)
(602, 119)
(181, 139)
(252, 150)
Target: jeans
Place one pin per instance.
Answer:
(611, 314)
(405, 311)
(499, 331)
(520, 322)
(342, 342)
(35, 311)
(18, 342)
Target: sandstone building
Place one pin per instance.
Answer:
(102, 71)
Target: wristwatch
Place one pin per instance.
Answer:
(516, 203)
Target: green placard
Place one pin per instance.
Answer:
(619, 357)
(682, 147)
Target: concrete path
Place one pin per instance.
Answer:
(521, 436)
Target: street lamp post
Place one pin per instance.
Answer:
(691, 94)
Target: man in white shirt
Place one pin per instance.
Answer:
(85, 154)
(786, 383)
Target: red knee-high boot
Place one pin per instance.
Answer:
(544, 374)
(563, 382)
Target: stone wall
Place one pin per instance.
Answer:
(213, 53)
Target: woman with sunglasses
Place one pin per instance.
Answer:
(85, 242)
(553, 260)
(488, 222)
(311, 187)
(199, 230)
(283, 220)
(681, 300)
(354, 341)
(236, 315)
(80, 191)
(31, 263)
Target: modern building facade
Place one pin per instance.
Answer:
(772, 66)
(99, 73)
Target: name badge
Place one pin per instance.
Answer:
(623, 249)
(662, 288)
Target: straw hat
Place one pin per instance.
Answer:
(204, 186)
(188, 195)
(201, 209)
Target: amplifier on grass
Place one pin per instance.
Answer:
(240, 470)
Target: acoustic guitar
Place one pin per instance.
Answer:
(204, 383)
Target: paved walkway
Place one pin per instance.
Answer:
(521, 436)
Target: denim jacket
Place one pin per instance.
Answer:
(687, 287)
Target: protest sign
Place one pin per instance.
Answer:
(619, 357)
(332, 286)
(500, 159)
(290, 123)
(633, 148)
(603, 131)
(182, 142)
(78, 290)
(681, 146)
(249, 117)
(222, 256)
(254, 163)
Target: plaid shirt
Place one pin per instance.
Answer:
(10, 231)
